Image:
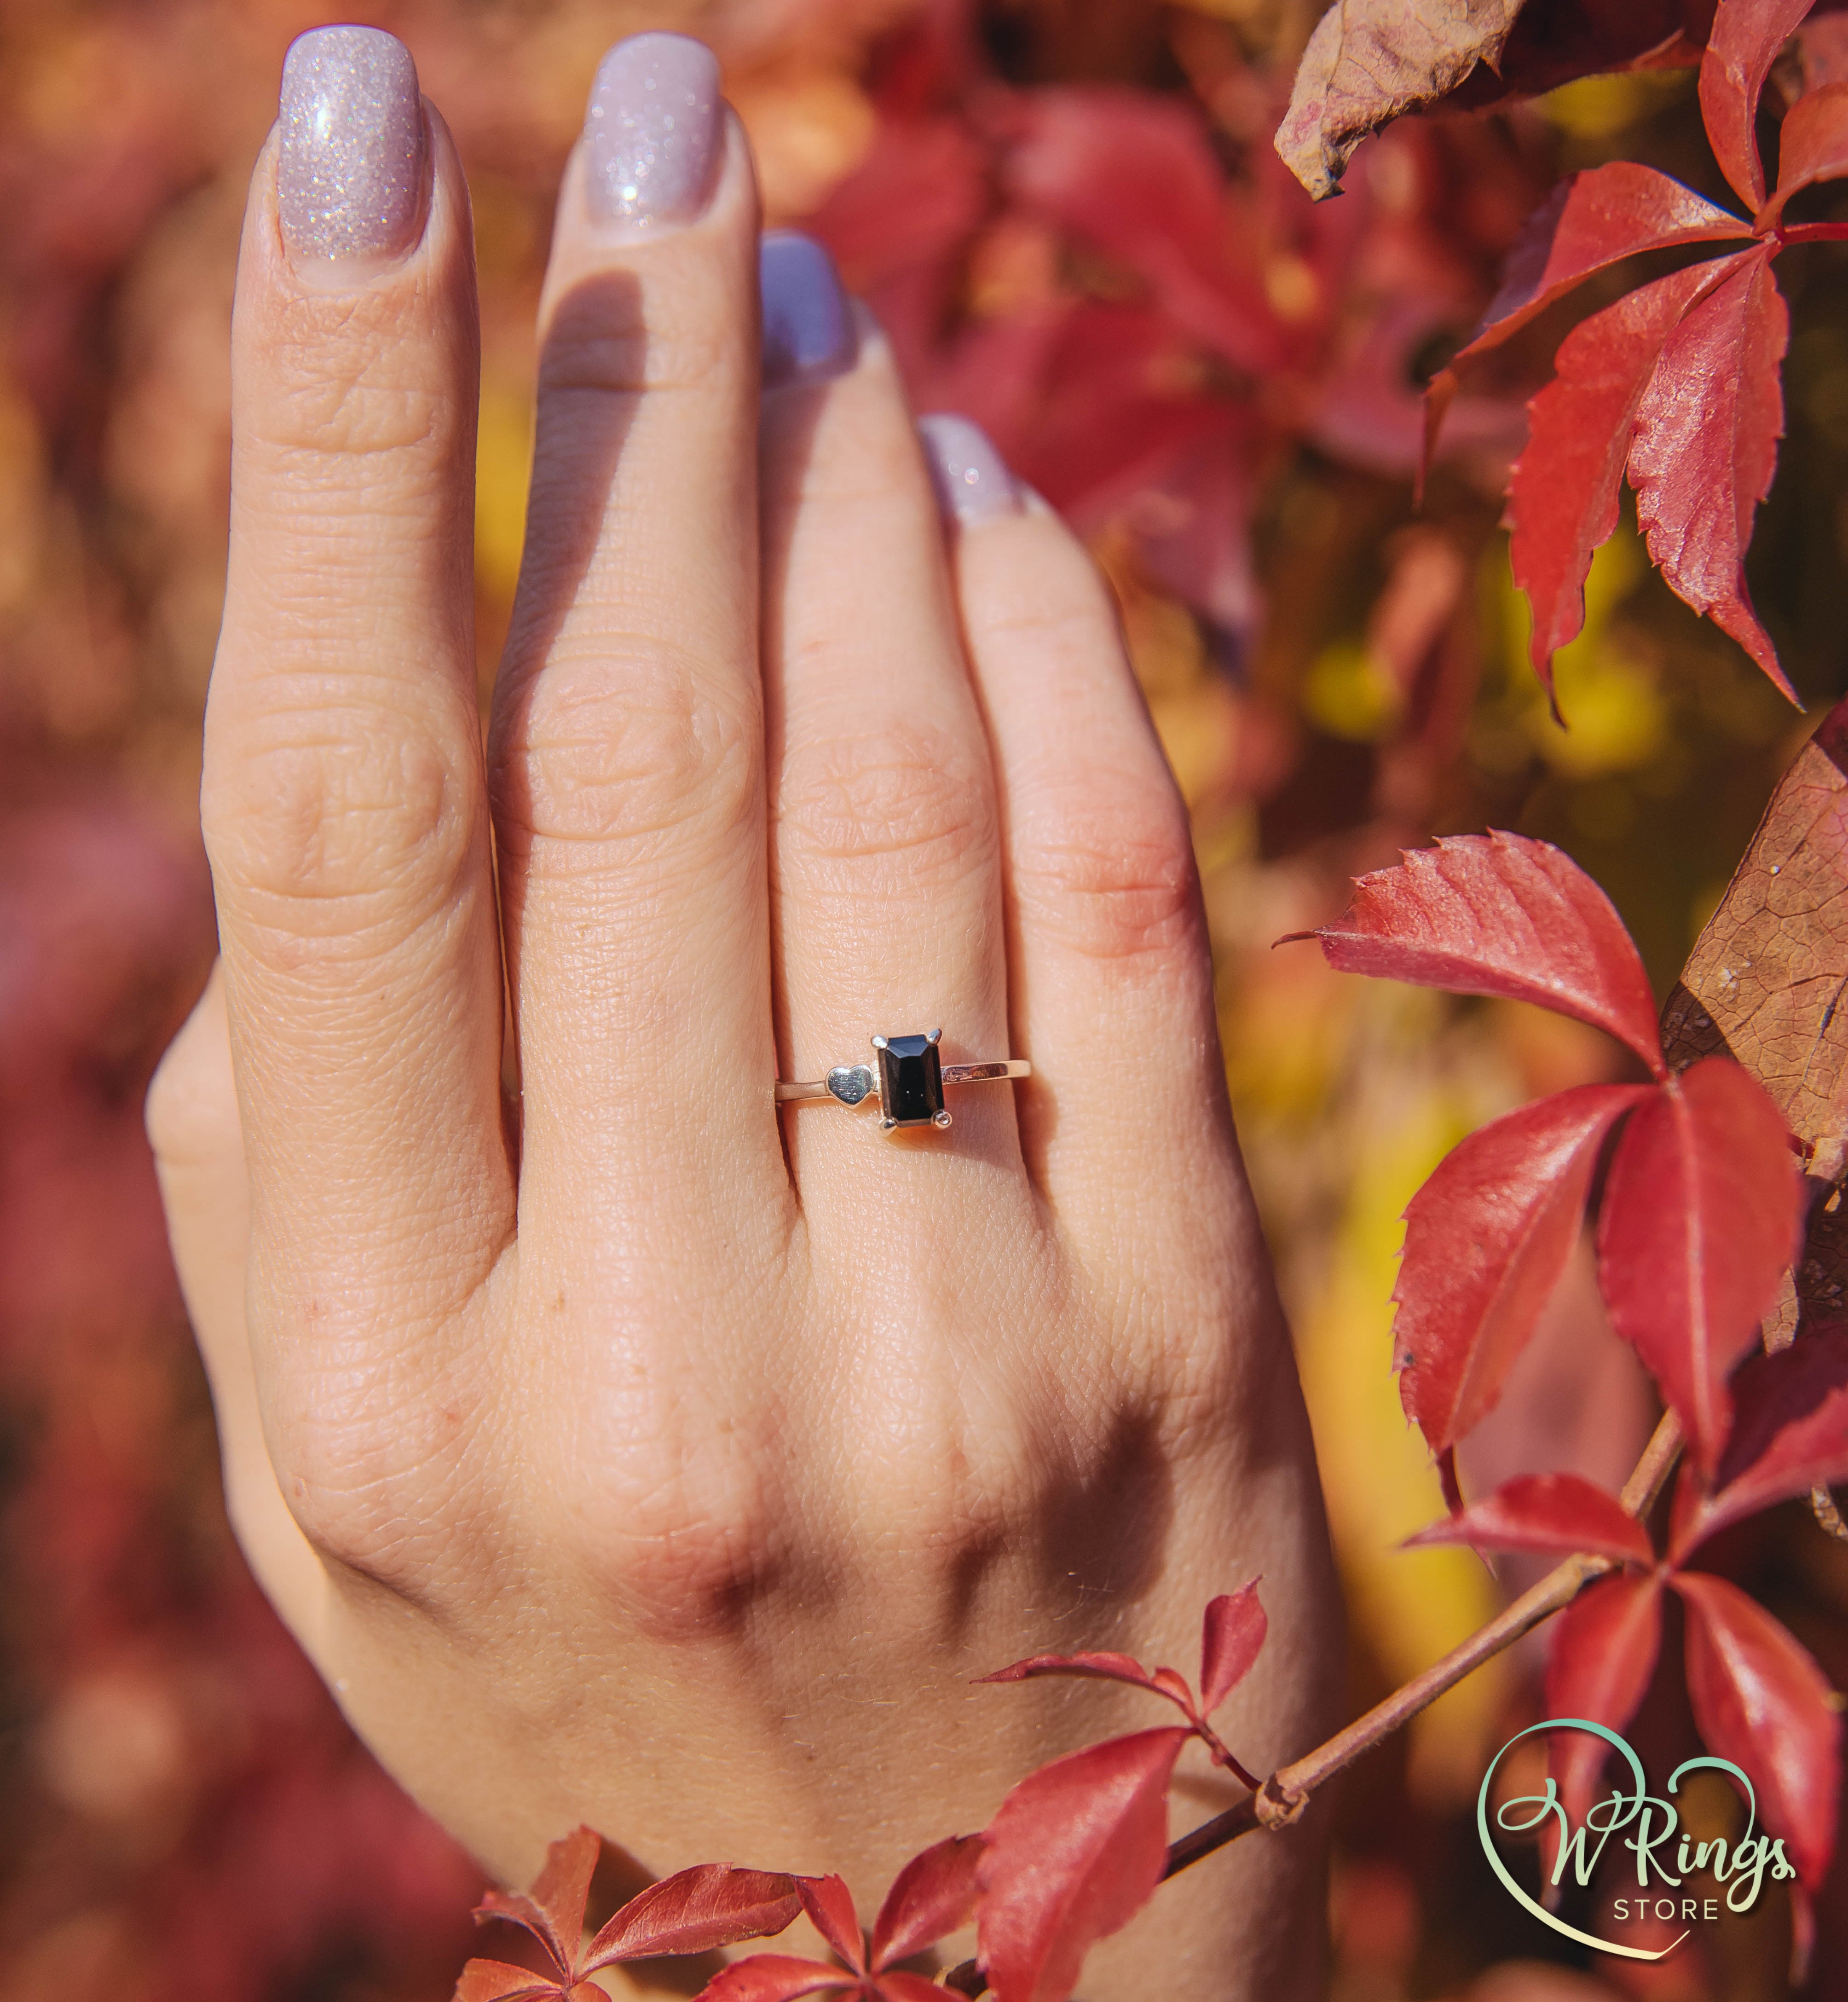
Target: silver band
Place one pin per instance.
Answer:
(968, 1073)
(907, 1078)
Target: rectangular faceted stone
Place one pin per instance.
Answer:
(911, 1080)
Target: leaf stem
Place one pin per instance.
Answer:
(1283, 1797)
(1813, 232)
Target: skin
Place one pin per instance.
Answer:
(621, 1449)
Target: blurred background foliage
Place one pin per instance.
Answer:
(1068, 216)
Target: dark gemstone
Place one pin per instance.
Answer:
(911, 1080)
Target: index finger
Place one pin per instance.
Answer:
(343, 797)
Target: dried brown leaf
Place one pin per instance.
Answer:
(1765, 984)
(1369, 61)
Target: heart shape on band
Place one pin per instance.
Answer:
(850, 1082)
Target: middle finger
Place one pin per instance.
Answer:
(627, 748)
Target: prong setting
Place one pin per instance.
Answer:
(908, 1080)
(911, 1079)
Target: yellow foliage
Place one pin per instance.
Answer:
(1615, 716)
(502, 456)
(1411, 1606)
(1348, 693)
(1596, 107)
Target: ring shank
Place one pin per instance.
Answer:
(961, 1073)
(987, 1073)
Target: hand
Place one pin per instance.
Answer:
(623, 1448)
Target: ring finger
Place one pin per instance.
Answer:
(885, 852)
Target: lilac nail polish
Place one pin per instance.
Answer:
(973, 483)
(651, 133)
(350, 174)
(808, 332)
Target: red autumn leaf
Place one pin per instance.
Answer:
(932, 1895)
(829, 1905)
(1593, 220)
(1590, 221)
(1812, 146)
(711, 1905)
(1790, 1434)
(1691, 403)
(911, 202)
(1136, 174)
(1234, 1632)
(774, 1977)
(1563, 492)
(1699, 1219)
(1604, 1651)
(1102, 1667)
(1740, 48)
(1074, 1853)
(1499, 914)
(498, 1981)
(1559, 1513)
(1760, 1700)
(1705, 447)
(552, 1911)
(1487, 1239)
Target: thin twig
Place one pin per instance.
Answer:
(1283, 1797)
(1650, 1475)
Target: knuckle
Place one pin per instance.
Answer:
(341, 828)
(375, 1468)
(605, 339)
(1060, 606)
(692, 1545)
(1115, 885)
(627, 749)
(336, 381)
(868, 474)
(900, 808)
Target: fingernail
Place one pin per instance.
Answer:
(808, 332)
(972, 480)
(350, 176)
(651, 134)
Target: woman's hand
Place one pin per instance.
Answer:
(623, 1448)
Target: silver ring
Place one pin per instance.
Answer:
(908, 1082)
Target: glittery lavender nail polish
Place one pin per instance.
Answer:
(651, 133)
(808, 332)
(349, 175)
(973, 483)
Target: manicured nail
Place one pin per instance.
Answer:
(973, 483)
(350, 176)
(808, 332)
(651, 134)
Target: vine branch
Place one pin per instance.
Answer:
(1286, 1793)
